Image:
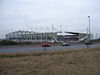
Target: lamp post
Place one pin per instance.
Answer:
(89, 24)
(89, 38)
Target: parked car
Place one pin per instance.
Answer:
(88, 43)
(46, 45)
(65, 44)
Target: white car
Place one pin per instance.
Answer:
(65, 44)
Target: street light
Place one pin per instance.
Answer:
(89, 32)
(89, 24)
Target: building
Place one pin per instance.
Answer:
(30, 36)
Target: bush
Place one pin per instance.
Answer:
(7, 42)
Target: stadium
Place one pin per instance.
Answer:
(31, 36)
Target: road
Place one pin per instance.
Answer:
(8, 49)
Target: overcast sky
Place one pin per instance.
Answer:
(39, 15)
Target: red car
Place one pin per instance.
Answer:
(46, 45)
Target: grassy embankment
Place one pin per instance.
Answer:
(64, 62)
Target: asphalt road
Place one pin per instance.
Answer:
(8, 49)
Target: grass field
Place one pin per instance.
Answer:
(62, 62)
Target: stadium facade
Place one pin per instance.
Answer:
(30, 36)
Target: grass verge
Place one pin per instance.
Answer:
(62, 62)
